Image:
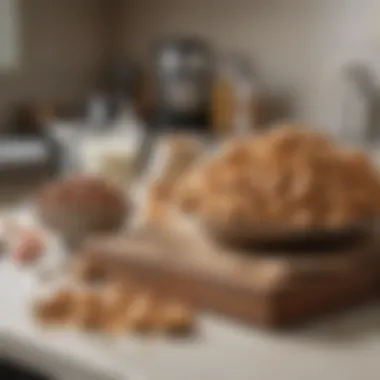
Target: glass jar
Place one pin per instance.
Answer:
(111, 154)
(233, 98)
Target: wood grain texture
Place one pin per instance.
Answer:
(268, 290)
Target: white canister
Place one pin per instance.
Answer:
(112, 154)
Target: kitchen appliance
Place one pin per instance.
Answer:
(183, 85)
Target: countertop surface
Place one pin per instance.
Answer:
(344, 346)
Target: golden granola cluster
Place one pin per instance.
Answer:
(114, 308)
(175, 155)
(289, 176)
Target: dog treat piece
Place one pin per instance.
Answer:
(79, 206)
(115, 324)
(290, 176)
(115, 307)
(56, 309)
(117, 297)
(118, 291)
(174, 317)
(139, 314)
(89, 310)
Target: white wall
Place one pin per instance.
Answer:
(355, 37)
(61, 47)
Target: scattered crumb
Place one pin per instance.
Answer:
(175, 317)
(117, 296)
(116, 307)
(88, 312)
(139, 315)
(55, 309)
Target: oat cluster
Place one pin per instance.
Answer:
(289, 176)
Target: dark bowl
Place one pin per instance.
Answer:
(284, 237)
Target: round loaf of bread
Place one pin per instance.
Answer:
(79, 206)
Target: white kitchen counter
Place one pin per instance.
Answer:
(344, 347)
(341, 347)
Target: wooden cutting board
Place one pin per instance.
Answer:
(272, 290)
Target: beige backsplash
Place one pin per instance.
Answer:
(297, 46)
(62, 46)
